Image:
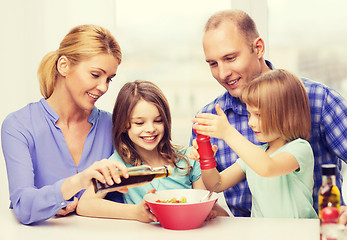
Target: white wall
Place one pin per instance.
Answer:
(30, 29)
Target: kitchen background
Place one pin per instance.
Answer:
(161, 42)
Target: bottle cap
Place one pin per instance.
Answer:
(169, 170)
(328, 169)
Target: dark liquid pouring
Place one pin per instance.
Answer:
(134, 179)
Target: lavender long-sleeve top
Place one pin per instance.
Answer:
(38, 159)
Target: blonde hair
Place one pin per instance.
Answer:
(81, 43)
(283, 104)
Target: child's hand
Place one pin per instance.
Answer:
(68, 209)
(143, 212)
(211, 124)
(194, 154)
(211, 215)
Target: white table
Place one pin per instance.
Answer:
(85, 228)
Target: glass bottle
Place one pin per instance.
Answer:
(138, 175)
(329, 205)
(329, 194)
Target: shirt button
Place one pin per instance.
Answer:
(62, 203)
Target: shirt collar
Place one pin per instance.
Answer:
(55, 117)
(93, 115)
(235, 104)
(269, 64)
(49, 110)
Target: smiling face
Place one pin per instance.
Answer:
(147, 127)
(87, 81)
(232, 61)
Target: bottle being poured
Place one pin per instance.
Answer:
(138, 175)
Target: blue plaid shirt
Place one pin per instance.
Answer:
(328, 139)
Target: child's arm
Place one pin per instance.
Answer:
(211, 177)
(94, 205)
(217, 209)
(218, 126)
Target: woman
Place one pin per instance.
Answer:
(51, 146)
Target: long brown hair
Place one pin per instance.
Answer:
(129, 95)
(283, 104)
(81, 43)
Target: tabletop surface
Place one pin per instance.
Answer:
(73, 227)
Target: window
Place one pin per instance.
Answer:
(162, 42)
(309, 38)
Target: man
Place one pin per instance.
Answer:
(235, 53)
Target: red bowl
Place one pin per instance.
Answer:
(181, 216)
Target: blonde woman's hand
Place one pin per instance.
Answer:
(106, 171)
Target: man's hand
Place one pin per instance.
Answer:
(343, 215)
